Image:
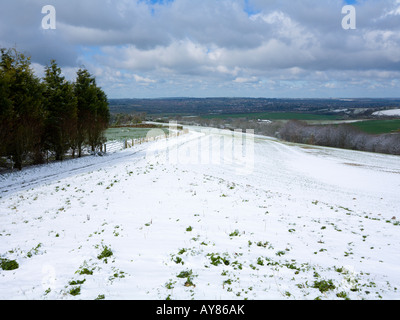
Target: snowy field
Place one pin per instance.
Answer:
(393, 112)
(189, 219)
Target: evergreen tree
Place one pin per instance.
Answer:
(54, 115)
(101, 120)
(21, 111)
(84, 96)
(93, 111)
(61, 108)
(5, 112)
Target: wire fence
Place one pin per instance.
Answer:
(109, 147)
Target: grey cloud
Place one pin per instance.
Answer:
(209, 40)
(20, 26)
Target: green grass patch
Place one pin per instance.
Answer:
(85, 271)
(75, 291)
(77, 282)
(378, 126)
(216, 259)
(106, 253)
(129, 133)
(8, 265)
(188, 274)
(323, 285)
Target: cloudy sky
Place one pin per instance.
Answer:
(215, 48)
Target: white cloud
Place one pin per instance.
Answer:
(141, 79)
(246, 80)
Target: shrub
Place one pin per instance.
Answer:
(340, 136)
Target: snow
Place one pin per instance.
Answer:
(286, 218)
(392, 113)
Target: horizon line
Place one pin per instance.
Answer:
(270, 98)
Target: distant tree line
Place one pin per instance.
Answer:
(351, 108)
(262, 128)
(340, 136)
(127, 119)
(46, 116)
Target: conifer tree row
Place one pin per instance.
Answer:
(49, 116)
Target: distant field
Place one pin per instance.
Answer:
(274, 116)
(128, 133)
(378, 126)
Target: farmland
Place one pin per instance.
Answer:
(129, 133)
(275, 116)
(369, 126)
(378, 126)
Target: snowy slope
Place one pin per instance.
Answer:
(393, 112)
(290, 222)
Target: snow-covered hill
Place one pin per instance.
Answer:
(392, 113)
(188, 219)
